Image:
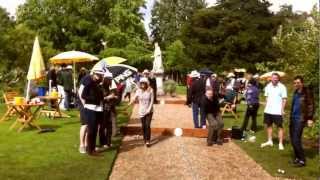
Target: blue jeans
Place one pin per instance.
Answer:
(296, 130)
(196, 110)
(67, 99)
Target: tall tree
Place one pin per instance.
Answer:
(168, 17)
(235, 33)
(103, 27)
(298, 41)
(6, 24)
(68, 24)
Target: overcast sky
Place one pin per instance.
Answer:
(298, 5)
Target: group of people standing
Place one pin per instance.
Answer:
(203, 94)
(98, 101)
(206, 94)
(96, 111)
(301, 114)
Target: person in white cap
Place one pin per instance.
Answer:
(191, 77)
(91, 96)
(145, 97)
(196, 92)
(231, 81)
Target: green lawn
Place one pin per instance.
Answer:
(270, 158)
(182, 90)
(54, 155)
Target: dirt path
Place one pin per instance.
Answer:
(181, 157)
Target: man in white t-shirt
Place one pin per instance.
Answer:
(276, 97)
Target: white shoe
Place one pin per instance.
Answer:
(281, 147)
(204, 127)
(107, 146)
(268, 143)
(82, 150)
(98, 149)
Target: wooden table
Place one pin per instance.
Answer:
(54, 110)
(26, 115)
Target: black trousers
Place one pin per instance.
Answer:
(252, 111)
(92, 118)
(146, 126)
(296, 130)
(105, 129)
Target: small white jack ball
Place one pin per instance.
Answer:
(178, 132)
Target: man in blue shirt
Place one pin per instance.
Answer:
(302, 111)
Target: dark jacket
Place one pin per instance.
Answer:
(92, 92)
(197, 91)
(52, 75)
(306, 105)
(210, 106)
(110, 104)
(67, 79)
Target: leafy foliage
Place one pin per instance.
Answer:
(169, 16)
(232, 34)
(176, 59)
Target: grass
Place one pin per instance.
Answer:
(54, 155)
(270, 158)
(182, 90)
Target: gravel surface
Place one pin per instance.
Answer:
(181, 157)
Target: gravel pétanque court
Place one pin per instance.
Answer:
(173, 157)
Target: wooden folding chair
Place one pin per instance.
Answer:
(9, 98)
(230, 107)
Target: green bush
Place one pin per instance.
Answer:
(170, 87)
(314, 132)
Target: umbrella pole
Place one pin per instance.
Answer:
(74, 78)
(28, 89)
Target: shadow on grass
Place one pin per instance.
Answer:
(42, 126)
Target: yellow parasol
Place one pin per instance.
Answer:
(267, 76)
(36, 67)
(109, 61)
(113, 60)
(73, 57)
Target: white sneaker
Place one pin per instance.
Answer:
(98, 149)
(204, 127)
(281, 147)
(268, 143)
(82, 150)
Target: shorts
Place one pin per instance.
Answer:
(88, 116)
(269, 119)
(82, 116)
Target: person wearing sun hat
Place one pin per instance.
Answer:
(91, 96)
(145, 97)
(195, 94)
(191, 77)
